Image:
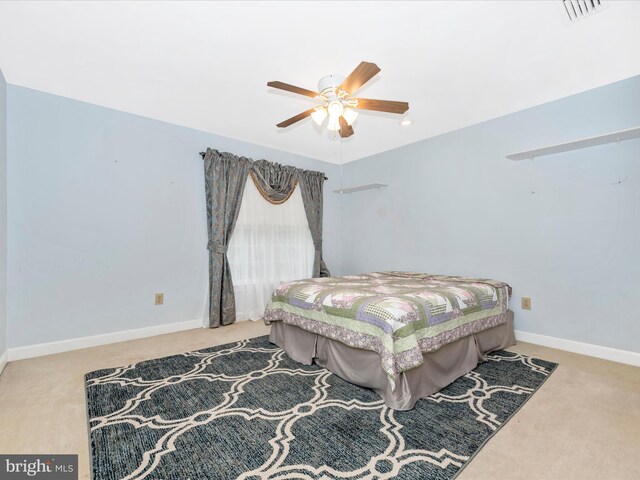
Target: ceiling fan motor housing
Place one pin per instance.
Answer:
(328, 85)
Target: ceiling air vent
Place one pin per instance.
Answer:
(577, 9)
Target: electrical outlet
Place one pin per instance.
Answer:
(526, 303)
(159, 298)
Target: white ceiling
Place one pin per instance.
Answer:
(205, 65)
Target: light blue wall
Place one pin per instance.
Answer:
(455, 205)
(3, 215)
(106, 209)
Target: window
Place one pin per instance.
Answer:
(270, 244)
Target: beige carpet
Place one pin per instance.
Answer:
(584, 423)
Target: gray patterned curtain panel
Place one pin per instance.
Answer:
(225, 177)
(311, 190)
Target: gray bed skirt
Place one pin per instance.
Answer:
(362, 367)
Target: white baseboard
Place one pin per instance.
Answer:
(606, 353)
(38, 350)
(4, 359)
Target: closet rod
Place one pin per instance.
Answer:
(202, 154)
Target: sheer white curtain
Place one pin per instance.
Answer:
(270, 244)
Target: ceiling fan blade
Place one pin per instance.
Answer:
(361, 75)
(382, 105)
(294, 89)
(297, 118)
(345, 129)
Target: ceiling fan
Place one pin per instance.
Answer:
(337, 102)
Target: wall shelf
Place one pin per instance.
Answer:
(361, 188)
(578, 144)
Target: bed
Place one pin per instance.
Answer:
(405, 335)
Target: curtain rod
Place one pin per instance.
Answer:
(202, 154)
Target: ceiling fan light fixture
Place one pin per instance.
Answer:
(319, 115)
(334, 123)
(350, 115)
(335, 109)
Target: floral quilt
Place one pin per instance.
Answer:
(399, 315)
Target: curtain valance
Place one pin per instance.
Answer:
(275, 182)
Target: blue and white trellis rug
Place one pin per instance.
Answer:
(245, 410)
